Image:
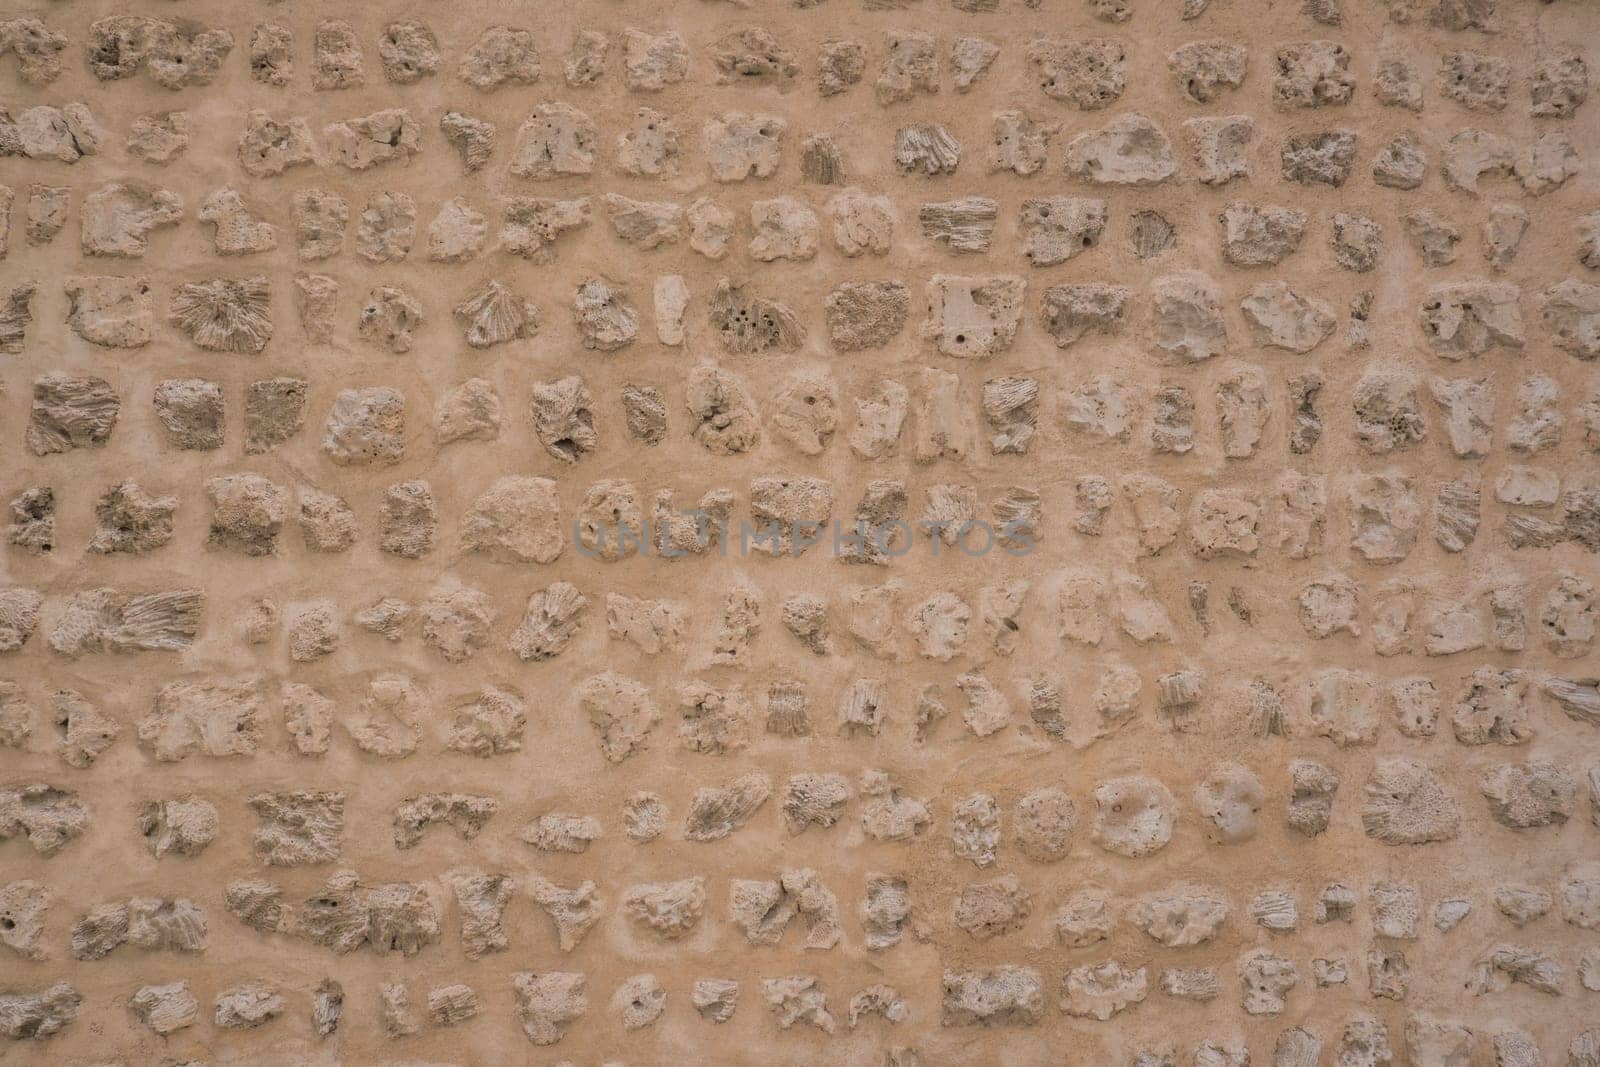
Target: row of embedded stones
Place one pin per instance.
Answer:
(548, 1004)
(306, 827)
(1135, 816)
(346, 915)
(517, 521)
(1087, 73)
(177, 54)
(560, 141)
(1490, 706)
(118, 219)
(1089, 609)
(518, 518)
(968, 317)
(1527, 795)
(368, 427)
(401, 917)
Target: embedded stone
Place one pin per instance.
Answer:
(970, 59)
(784, 228)
(1006, 996)
(973, 317)
(1206, 69)
(1131, 150)
(1313, 74)
(1134, 816)
(274, 411)
(1476, 82)
(111, 312)
(160, 138)
(225, 314)
(1560, 85)
(473, 139)
(1281, 318)
(62, 134)
(131, 520)
(1058, 228)
(1318, 158)
(740, 146)
(1220, 147)
(383, 137)
(165, 1009)
(247, 513)
(556, 140)
(236, 230)
(1186, 317)
(653, 61)
(1181, 916)
(366, 427)
(910, 67)
(1407, 804)
(1260, 235)
(38, 1015)
(109, 620)
(1103, 991)
(500, 56)
(174, 53)
(840, 65)
(464, 813)
(1386, 410)
(268, 147)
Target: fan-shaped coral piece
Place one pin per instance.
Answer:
(494, 315)
(224, 315)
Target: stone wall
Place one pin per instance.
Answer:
(1114, 490)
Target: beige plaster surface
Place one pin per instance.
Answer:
(1257, 641)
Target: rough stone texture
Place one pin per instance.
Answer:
(1123, 497)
